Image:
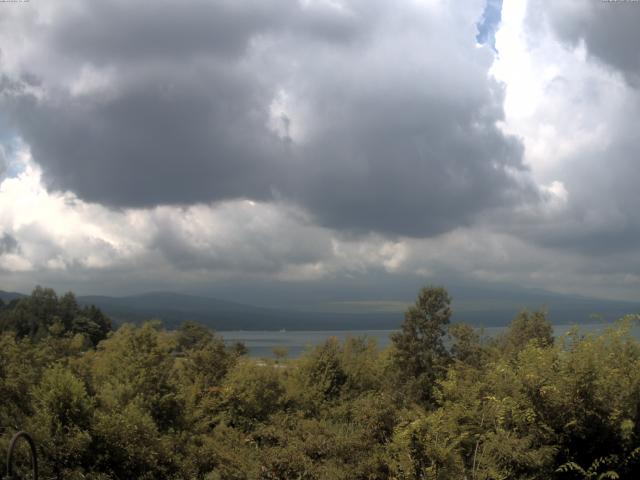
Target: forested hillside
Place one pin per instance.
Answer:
(441, 403)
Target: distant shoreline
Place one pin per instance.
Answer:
(261, 342)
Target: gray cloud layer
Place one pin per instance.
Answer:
(609, 29)
(3, 162)
(387, 120)
(601, 178)
(338, 119)
(8, 244)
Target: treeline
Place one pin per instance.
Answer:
(44, 314)
(441, 403)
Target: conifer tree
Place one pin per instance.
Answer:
(420, 354)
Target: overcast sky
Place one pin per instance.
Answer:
(194, 145)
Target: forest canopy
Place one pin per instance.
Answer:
(442, 402)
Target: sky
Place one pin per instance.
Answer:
(239, 146)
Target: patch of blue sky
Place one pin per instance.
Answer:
(13, 165)
(14, 169)
(489, 23)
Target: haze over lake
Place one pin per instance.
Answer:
(261, 343)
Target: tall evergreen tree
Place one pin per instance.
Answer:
(420, 354)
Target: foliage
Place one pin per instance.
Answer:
(420, 355)
(250, 394)
(440, 403)
(62, 419)
(44, 313)
(526, 327)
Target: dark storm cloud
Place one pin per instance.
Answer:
(117, 31)
(609, 29)
(390, 122)
(111, 31)
(408, 163)
(163, 139)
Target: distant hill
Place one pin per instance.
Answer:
(480, 307)
(561, 309)
(476, 305)
(8, 296)
(173, 309)
(498, 307)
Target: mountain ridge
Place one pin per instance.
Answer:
(480, 307)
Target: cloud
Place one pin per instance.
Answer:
(608, 30)
(350, 146)
(58, 235)
(371, 117)
(8, 244)
(237, 236)
(248, 250)
(59, 232)
(578, 121)
(4, 162)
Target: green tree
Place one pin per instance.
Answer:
(43, 314)
(61, 422)
(91, 322)
(280, 353)
(251, 393)
(202, 362)
(419, 352)
(128, 444)
(428, 448)
(361, 362)
(322, 373)
(466, 345)
(135, 365)
(527, 327)
(192, 335)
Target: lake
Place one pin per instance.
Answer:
(261, 343)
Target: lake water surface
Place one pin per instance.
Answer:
(261, 343)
